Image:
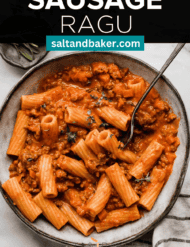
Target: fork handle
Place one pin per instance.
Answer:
(164, 67)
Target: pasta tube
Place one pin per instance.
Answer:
(51, 211)
(47, 178)
(158, 179)
(92, 143)
(147, 160)
(80, 117)
(22, 199)
(85, 153)
(109, 141)
(117, 218)
(50, 129)
(37, 100)
(18, 138)
(76, 168)
(99, 200)
(116, 118)
(121, 184)
(138, 86)
(81, 224)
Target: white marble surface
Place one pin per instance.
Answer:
(12, 231)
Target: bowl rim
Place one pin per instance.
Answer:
(181, 177)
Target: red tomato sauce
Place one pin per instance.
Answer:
(88, 87)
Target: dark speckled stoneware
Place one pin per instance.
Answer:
(129, 232)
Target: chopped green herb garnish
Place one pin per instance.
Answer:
(147, 179)
(43, 106)
(103, 97)
(92, 120)
(104, 125)
(74, 122)
(71, 136)
(111, 135)
(110, 100)
(93, 96)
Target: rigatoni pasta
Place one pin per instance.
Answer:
(121, 184)
(51, 211)
(21, 199)
(50, 131)
(81, 117)
(67, 140)
(47, 178)
(108, 140)
(138, 85)
(86, 154)
(99, 200)
(18, 138)
(92, 143)
(76, 168)
(147, 160)
(37, 100)
(80, 223)
(118, 217)
(116, 118)
(158, 179)
(32, 101)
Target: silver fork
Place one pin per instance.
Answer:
(129, 133)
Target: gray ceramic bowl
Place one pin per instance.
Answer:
(129, 232)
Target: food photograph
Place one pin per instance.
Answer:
(94, 123)
(95, 147)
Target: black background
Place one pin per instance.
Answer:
(18, 23)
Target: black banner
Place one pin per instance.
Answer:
(31, 20)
